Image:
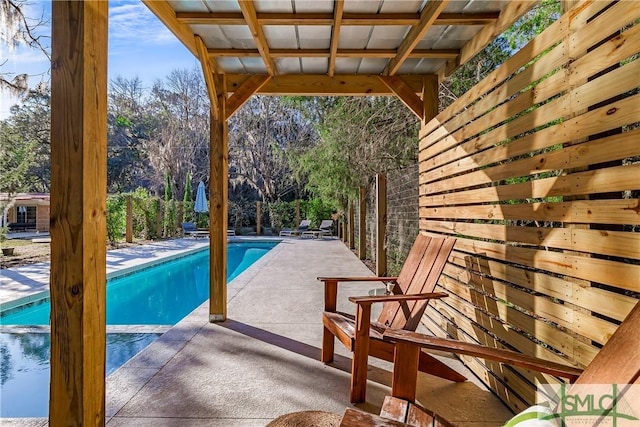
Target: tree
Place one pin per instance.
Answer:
(129, 123)
(16, 30)
(187, 201)
(359, 138)
(263, 136)
(179, 138)
(26, 147)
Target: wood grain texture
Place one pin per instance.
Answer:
(249, 13)
(405, 94)
(428, 16)
(325, 19)
(242, 94)
(207, 72)
(78, 213)
(511, 168)
(323, 85)
(508, 16)
(338, 9)
(165, 13)
(218, 207)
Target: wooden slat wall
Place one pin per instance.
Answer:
(536, 171)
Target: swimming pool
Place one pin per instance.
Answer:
(24, 370)
(159, 295)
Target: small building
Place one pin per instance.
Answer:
(26, 211)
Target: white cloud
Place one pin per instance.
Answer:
(139, 45)
(131, 23)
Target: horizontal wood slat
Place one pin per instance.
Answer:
(603, 119)
(535, 171)
(610, 211)
(613, 243)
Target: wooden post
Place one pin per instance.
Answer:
(218, 190)
(352, 226)
(430, 97)
(362, 224)
(381, 225)
(258, 218)
(297, 212)
(78, 212)
(129, 232)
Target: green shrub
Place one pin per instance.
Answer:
(116, 217)
(316, 210)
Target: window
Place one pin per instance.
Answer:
(26, 214)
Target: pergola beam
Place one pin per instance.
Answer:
(208, 72)
(249, 13)
(340, 53)
(427, 17)
(166, 14)
(323, 85)
(338, 8)
(242, 94)
(405, 93)
(353, 19)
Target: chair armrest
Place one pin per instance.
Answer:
(386, 298)
(500, 355)
(357, 279)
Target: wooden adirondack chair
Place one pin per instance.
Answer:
(412, 290)
(618, 362)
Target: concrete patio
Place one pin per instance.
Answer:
(263, 361)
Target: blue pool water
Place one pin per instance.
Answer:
(24, 371)
(159, 295)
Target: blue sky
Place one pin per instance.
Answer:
(139, 45)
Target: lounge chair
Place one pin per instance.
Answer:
(288, 232)
(190, 229)
(326, 227)
(412, 290)
(618, 362)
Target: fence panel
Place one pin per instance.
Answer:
(535, 171)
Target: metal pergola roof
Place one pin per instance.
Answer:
(326, 47)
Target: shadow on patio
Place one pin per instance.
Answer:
(264, 361)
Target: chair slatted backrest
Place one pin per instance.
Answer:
(304, 225)
(619, 360)
(419, 274)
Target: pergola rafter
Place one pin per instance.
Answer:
(338, 8)
(360, 19)
(249, 13)
(427, 18)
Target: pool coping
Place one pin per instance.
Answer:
(169, 332)
(35, 274)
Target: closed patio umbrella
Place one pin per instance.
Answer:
(201, 200)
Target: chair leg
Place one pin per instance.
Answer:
(359, 367)
(360, 362)
(328, 343)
